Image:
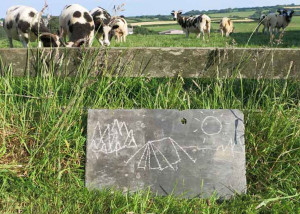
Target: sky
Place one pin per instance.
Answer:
(143, 7)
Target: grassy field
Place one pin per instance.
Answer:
(240, 38)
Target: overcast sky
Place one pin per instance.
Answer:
(143, 7)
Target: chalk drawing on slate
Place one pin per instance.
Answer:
(113, 139)
(151, 157)
(228, 148)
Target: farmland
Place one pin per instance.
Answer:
(43, 130)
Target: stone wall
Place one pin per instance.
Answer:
(159, 62)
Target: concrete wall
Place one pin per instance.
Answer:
(159, 62)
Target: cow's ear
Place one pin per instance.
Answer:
(115, 27)
(292, 12)
(279, 11)
(180, 12)
(172, 14)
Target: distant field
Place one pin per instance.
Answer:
(296, 7)
(245, 14)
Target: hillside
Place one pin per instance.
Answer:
(249, 12)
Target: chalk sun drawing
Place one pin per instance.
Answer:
(114, 138)
(151, 157)
(210, 126)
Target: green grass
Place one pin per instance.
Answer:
(43, 137)
(239, 39)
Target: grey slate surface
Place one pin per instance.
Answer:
(189, 153)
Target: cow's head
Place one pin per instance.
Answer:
(175, 14)
(50, 40)
(109, 30)
(281, 11)
(289, 15)
(262, 17)
(53, 40)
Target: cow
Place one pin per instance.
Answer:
(193, 24)
(76, 22)
(279, 21)
(226, 26)
(120, 29)
(102, 19)
(24, 24)
(263, 21)
(107, 26)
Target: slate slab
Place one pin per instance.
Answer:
(188, 153)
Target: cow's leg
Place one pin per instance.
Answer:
(271, 34)
(268, 30)
(222, 32)
(208, 29)
(11, 45)
(198, 35)
(99, 38)
(24, 40)
(187, 34)
(203, 34)
(257, 28)
(281, 35)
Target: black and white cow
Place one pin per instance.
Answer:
(193, 24)
(76, 22)
(23, 23)
(102, 20)
(281, 21)
(107, 26)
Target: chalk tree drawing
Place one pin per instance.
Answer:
(113, 139)
(151, 156)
